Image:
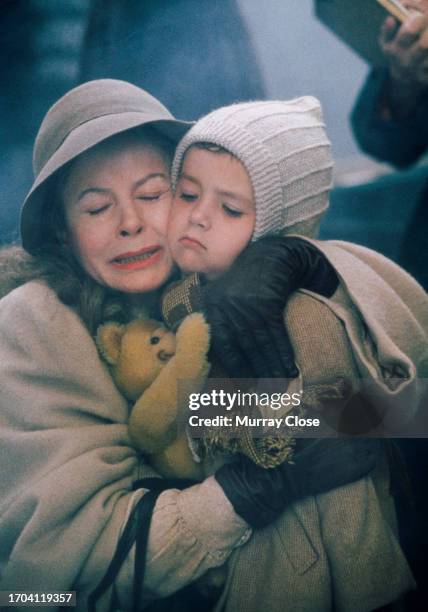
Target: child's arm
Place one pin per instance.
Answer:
(245, 306)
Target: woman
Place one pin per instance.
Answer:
(94, 224)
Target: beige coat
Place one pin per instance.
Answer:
(339, 550)
(67, 467)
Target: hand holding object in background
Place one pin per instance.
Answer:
(406, 50)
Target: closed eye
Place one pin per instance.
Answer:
(188, 197)
(97, 211)
(232, 212)
(153, 196)
(150, 198)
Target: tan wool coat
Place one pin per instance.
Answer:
(339, 550)
(68, 465)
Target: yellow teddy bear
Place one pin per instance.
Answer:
(146, 362)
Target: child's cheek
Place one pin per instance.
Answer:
(173, 220)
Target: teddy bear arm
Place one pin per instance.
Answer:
(192, 345)
(152, 423)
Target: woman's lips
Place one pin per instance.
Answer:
(192, 243)
(135, 260)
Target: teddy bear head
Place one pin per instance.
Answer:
(135, 352)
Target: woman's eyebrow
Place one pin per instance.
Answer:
(85, 192)
(105, 190)
(153, 175)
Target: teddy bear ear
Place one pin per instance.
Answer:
(108, 340)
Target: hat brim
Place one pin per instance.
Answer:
(81, 139)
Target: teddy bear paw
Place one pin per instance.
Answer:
(193, 334)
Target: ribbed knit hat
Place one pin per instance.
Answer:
(285, 150)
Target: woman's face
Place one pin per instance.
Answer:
(117, 198)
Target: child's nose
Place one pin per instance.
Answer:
(200, 215)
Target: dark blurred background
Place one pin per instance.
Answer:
(194, 55)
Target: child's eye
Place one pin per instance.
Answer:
(232, 212)
(97, 211)
(188, 197)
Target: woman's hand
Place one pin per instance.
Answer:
(245, 306)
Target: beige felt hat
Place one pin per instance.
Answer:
(82, 118)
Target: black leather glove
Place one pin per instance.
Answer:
(260, 495)
(245, 305)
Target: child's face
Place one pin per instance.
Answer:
(213, 213)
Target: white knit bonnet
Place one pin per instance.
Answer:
(285, 150)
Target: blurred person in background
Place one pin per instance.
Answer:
(49, 47)
(390, 121)
(193, 55)
(390, 117)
